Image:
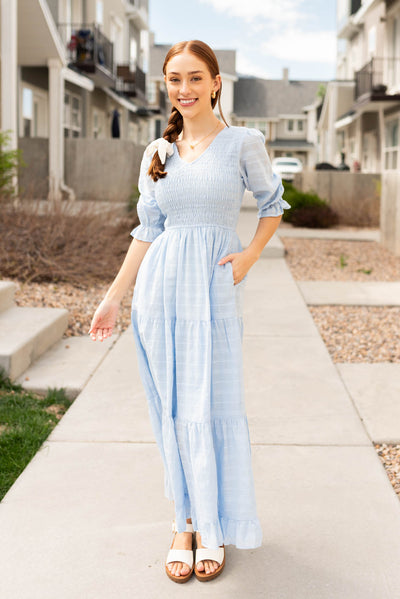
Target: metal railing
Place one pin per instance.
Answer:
(87, 46)
(377, 75)
(130, 82)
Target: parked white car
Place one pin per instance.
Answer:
(286, 167)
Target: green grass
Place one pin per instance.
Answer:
(343, 261)
(26, 420)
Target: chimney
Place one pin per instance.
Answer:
(285, 74)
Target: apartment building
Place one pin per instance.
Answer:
(361, 112)
(72, 68)
(285, 110)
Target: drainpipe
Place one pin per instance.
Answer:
(56, 135)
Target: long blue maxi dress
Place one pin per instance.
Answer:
(188, 329)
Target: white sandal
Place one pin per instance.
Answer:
(180, 555)
(215, 555)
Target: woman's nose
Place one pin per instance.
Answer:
(184, 86)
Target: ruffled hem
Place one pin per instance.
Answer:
(145, 233)
(244, 534)
(207, 469)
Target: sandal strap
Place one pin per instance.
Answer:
(180, 555)
(189, 527)
(215, 555)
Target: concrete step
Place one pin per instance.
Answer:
(26, 333)
(68, 364)
(7, 290)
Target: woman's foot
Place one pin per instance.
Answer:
(207, 566)
(182, 540)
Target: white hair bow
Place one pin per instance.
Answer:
(162, 146)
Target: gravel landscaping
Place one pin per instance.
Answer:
(80, 303)
(337, 260)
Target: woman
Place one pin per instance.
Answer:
(187, 309)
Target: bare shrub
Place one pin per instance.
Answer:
(64, 242)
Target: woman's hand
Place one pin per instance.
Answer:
(241, 263)
(104, 320)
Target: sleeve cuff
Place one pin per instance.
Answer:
(274, 209)
(144, 233)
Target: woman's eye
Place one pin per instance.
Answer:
(196, 78)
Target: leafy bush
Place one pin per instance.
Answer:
(307, 209)
(315, 217)
(10, 162)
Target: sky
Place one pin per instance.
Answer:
(267, 35)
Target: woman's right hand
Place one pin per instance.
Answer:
(104, 319)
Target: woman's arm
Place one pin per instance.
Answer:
(243, 261)
(128, 272)
(105, 316)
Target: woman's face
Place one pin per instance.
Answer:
(190, 85)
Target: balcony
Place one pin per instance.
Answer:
(90, 51)
(137, 11)
(376, 77)
(131, 83)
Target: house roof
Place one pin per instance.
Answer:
(268, 98)
(226, 60)
(290, 143)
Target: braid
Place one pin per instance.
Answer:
(174, 127)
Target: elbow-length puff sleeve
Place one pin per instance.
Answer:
(259, 177)
(149, 213)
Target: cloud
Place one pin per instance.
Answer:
(302, 46)
(247, 67)
(273, 11)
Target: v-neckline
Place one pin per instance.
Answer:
(203, 152)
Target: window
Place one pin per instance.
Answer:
(72, 115)
(27, 111)
(300, 125)
(372, 41)
(251, 124)
(262, 126)
(99, 12)
(290, 125)
(391, 144)
(152, 94)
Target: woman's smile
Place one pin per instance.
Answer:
(187, 102)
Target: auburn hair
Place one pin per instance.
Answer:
(175, 121)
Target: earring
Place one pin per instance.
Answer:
(213, 95)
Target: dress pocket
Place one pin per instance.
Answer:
(231, 274)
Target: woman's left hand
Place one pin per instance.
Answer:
(241, 263)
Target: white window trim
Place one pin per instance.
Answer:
(42, 96)
(390, 149)
(69, 125)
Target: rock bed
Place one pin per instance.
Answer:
(80, 303)
(359, 333)
(337, 260)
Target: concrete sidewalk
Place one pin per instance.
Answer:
(87, 518)
(351, 293)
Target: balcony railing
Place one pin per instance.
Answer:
(377, 76)
(88, 48)
(131, 83)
